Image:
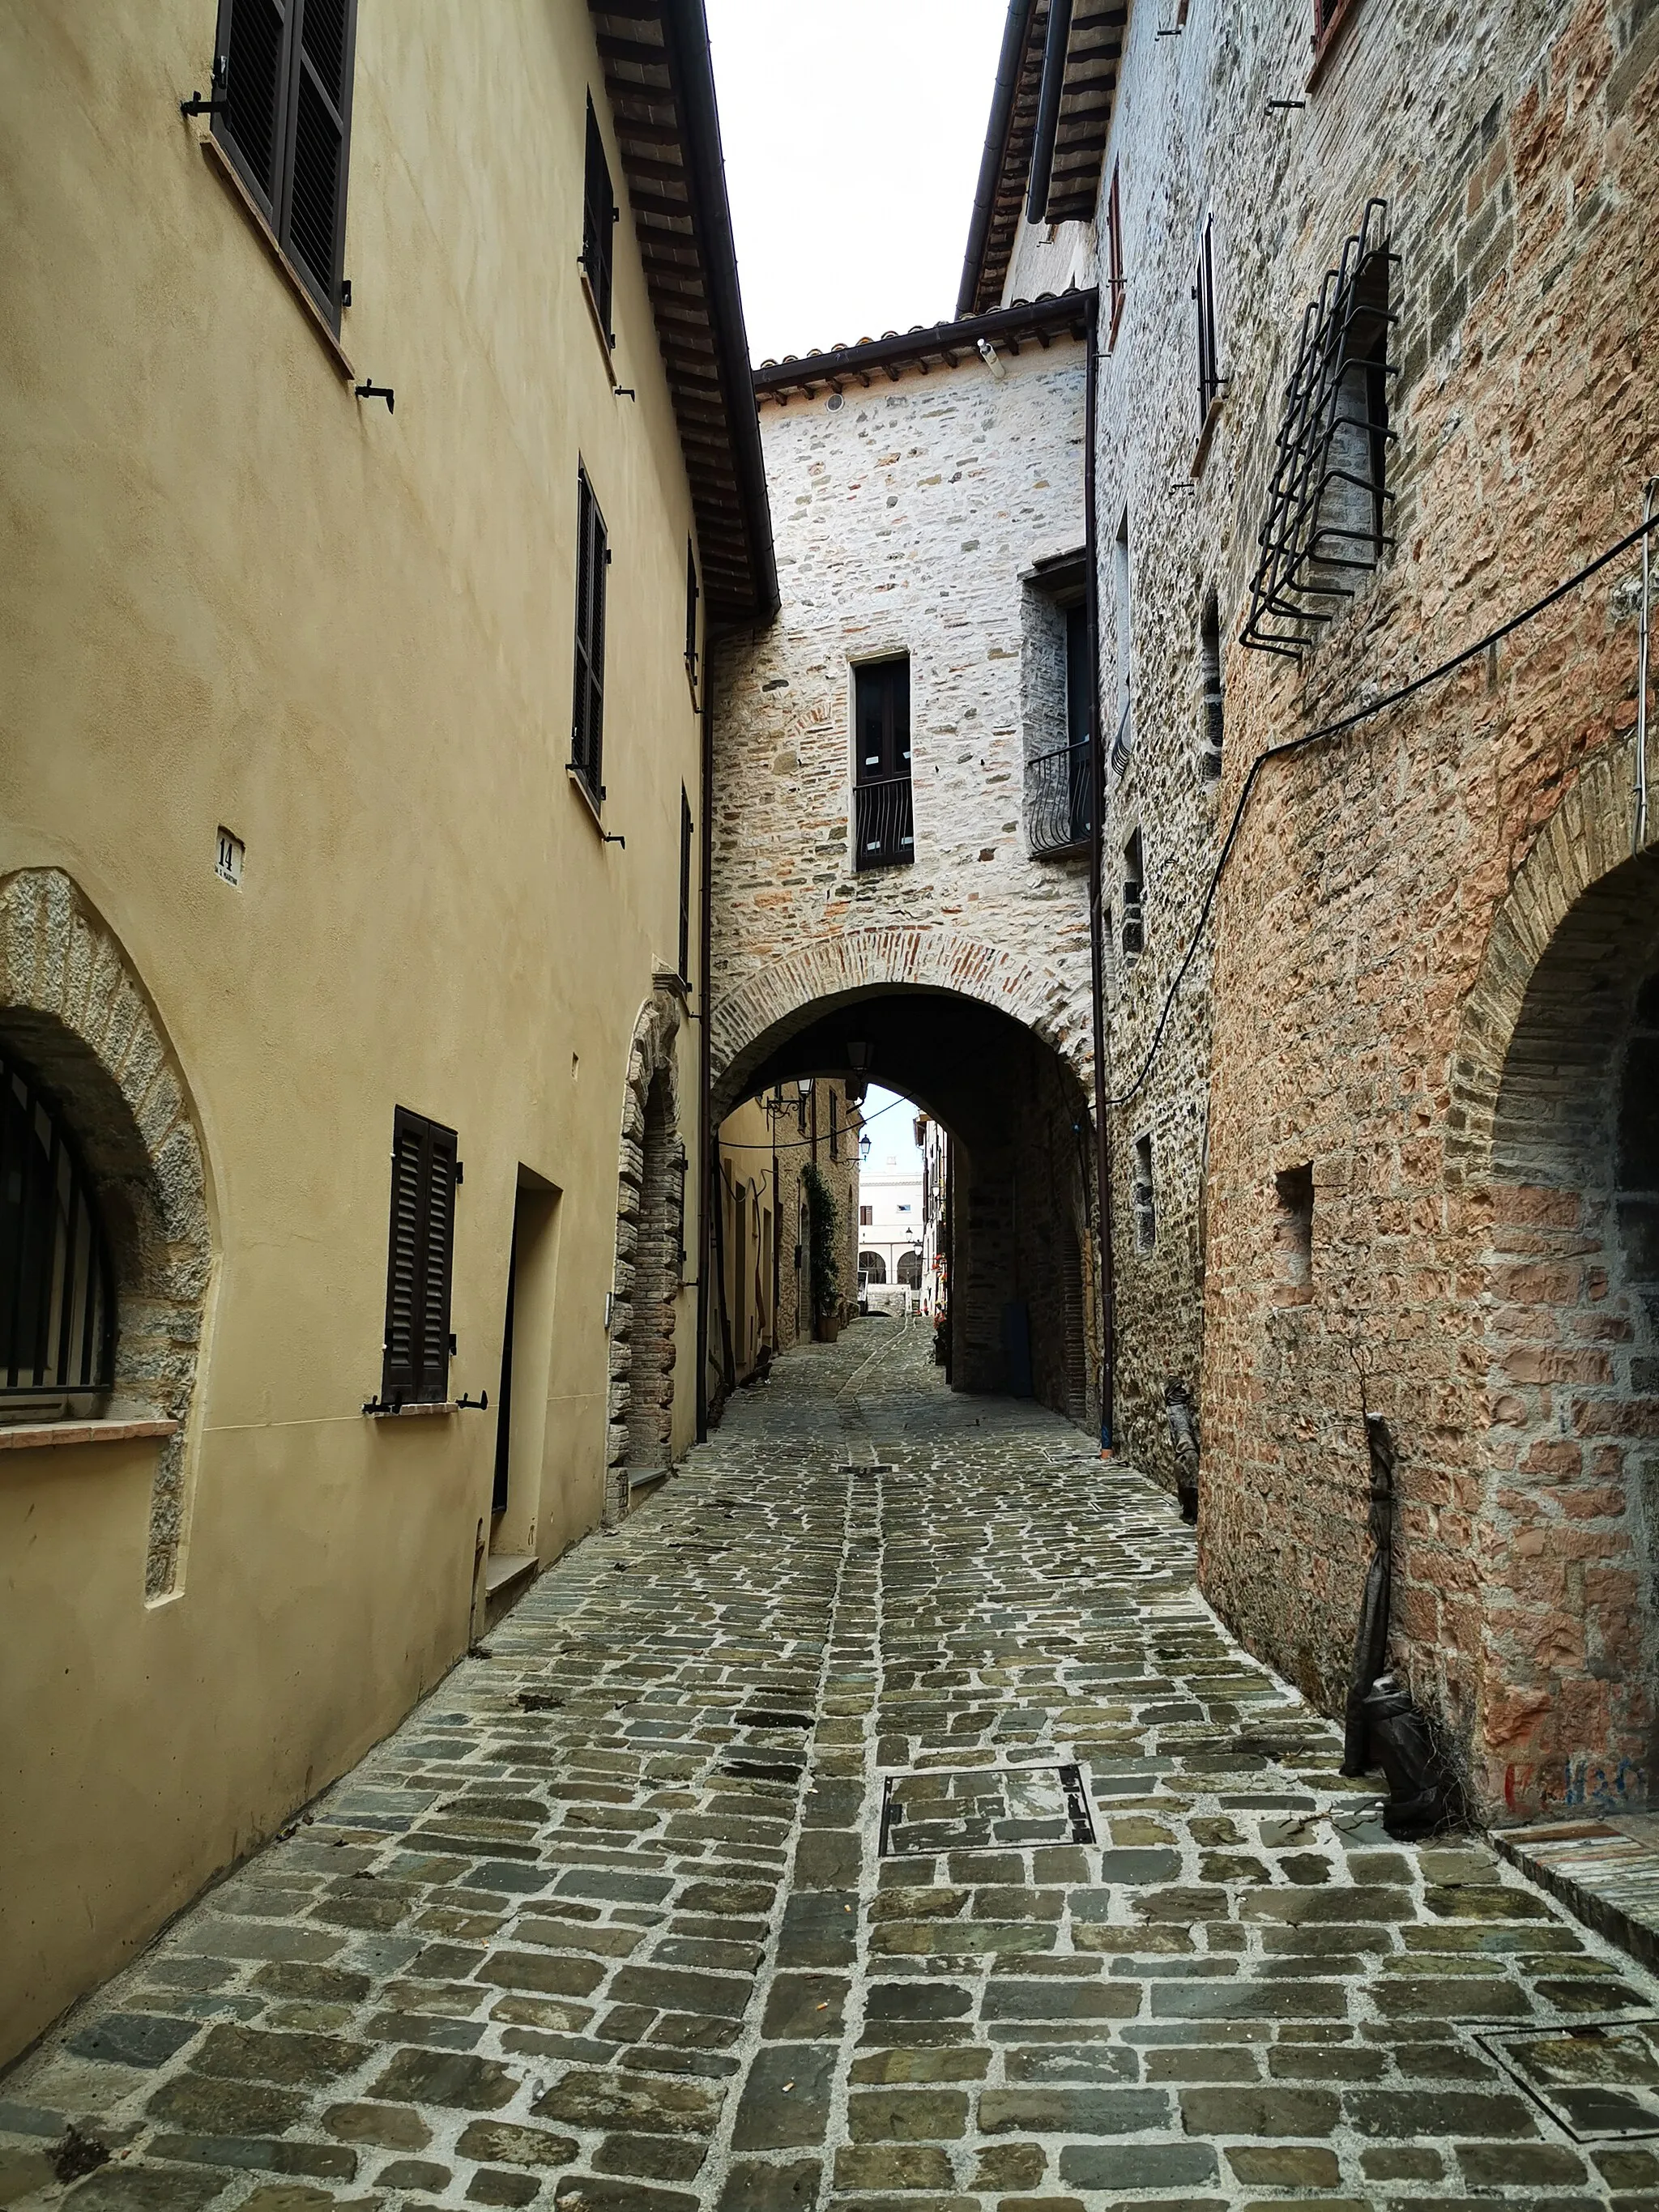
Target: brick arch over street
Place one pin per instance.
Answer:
(972, 1037)
(74, 1007)
(748, 1023)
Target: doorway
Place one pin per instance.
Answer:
(522, 1388)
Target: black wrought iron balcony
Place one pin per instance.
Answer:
(883, 825)
(1058, 799)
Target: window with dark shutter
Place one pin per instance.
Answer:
(1209, 372)
(415, 1370)
(587, 713)
(284, 71)
(685, 888)
(883, 820)
(692, 595)
(598, 223)
(1115, 277)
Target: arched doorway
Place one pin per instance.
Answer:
(909, 1270)
(872, 1267)
(1572, 1349)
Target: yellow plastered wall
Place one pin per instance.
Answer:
(231, 593)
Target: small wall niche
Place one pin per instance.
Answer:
(1293, 1192)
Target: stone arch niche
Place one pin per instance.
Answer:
(1555, 1122)
(72, 1007)
(650, 1239)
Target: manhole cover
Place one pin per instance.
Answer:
(1597, 2079)
(984, 1809)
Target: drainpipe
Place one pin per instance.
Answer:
(1097, 872)
(1641, 836)
(708, 1135)
(1047, 124)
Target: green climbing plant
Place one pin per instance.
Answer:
(824, 1221)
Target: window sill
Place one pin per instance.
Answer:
(33, 1435)
(221, 163)
(409, 1412)
(584, 789)
(1330, 37)
(669, 980)
(607, 344)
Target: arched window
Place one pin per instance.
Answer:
(872, 1267)
(909, 1270)
(56, 1288)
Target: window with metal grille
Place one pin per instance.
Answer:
(1329, 497)
(587, 712)
(883, 824)
(1115, 277)
(1134, 911)
(692, 595)
(600, 218)
(685, 888)
(1212, 711)
(415, 1370)
(57, 1286)
(1209, 372)
(282, 82)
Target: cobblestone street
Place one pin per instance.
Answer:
(879, 1820)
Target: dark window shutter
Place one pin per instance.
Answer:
(253, 52)
(598, 221)
(587, 711)
(692, 595)
(287, 124)
(685, 887)
(415, 1366)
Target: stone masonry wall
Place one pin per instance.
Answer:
(1515, 146)
(905, 517)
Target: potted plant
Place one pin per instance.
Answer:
(823, 1223)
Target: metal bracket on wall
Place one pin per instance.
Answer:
(480, 1404)
(377, 392)
(215, 104)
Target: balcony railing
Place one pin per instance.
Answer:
(1058, 799)
(883, 826)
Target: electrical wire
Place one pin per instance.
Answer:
(799, 1144)
(1325, 731)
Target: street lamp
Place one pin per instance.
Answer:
(863, 1145)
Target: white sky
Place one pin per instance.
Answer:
(893, 1139)
(853, 136)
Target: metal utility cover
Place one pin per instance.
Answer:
(1597, 2079)
(984, 1809)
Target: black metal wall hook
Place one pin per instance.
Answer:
(480, 1404)
(378, 1405)
(214, 104)
(377, 392)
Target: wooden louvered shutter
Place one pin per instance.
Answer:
(319, 131)
(598, 222)
(588, 713)
(416, 1365)
(251, 69)
(286, 69)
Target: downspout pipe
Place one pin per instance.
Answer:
(1097, 879)
(1047, 124)
(708, 1135)
(1009, 64)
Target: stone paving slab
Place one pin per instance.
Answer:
(1605, 1871)
(622, 1918)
